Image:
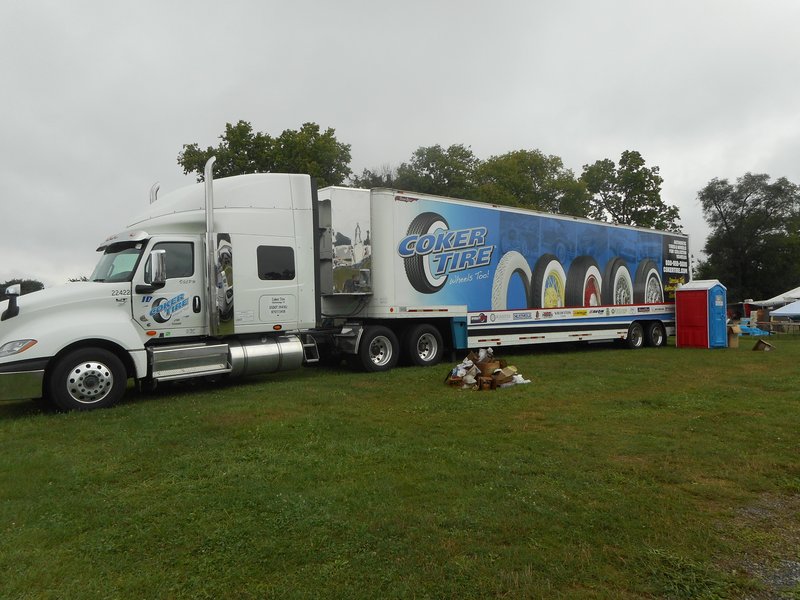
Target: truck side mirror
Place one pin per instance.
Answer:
(12, 291)
(157, 276)
(158, 268)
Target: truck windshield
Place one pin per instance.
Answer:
(118, 262)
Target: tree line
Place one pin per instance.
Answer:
(626, 192)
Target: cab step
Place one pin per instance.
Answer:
(310, 349)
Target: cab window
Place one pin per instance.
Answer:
(179, 258)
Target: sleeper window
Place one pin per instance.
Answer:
(275, 262)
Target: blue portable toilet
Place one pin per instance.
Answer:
(701, 315)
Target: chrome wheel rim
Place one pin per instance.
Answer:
(427, 347)
(89, 382)
(380, 351)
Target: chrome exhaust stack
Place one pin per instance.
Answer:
(154, 192)
(211, 252)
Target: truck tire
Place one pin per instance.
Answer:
(511, 263)
(584, 283)
(635, 337)
(378, 350)
(417, 267)
(617, 283)
(654, 334)
(87, 378)
(423, 345)
(548, 283)
(647, 286)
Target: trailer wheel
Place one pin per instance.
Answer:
(584, 283)
(647, 287)
(87, 378)
(511, 263)
(424, 345)
(418, 269)
(548, 283)
(635, 337)
(617, 283)
(378, 350)
(655, 335)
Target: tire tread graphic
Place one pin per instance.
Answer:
(415, 265)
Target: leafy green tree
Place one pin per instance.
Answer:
(628, 193)
(383, 176)
(531, 179)
(310, 151)
(241, 150)
(441, 171)
(754, 245)
(27, 286)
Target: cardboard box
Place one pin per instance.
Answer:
(488, 367)
(486, 383)
(733, 335)
(504, 375)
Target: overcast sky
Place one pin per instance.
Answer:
(99, 97)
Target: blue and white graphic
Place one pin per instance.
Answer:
(431, 251)
(163, 309)
(506, 260)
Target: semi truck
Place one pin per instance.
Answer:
(263, 273)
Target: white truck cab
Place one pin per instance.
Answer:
(170, 298)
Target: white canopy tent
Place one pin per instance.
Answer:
(790, 310)
(780, 299)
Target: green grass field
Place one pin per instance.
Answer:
(656, 473)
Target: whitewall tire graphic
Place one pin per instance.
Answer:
(617, 283)
(511, 263)
(584, 283)
(647, 287)
(548, 286)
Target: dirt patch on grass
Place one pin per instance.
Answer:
(772, 525)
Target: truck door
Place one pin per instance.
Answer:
(178, 308)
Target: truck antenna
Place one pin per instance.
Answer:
(154, 192)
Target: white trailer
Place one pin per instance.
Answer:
(262, 273)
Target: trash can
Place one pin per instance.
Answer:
(701, 315)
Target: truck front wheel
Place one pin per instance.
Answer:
(87, 378)
(378, 350)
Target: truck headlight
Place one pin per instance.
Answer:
(15, 347)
